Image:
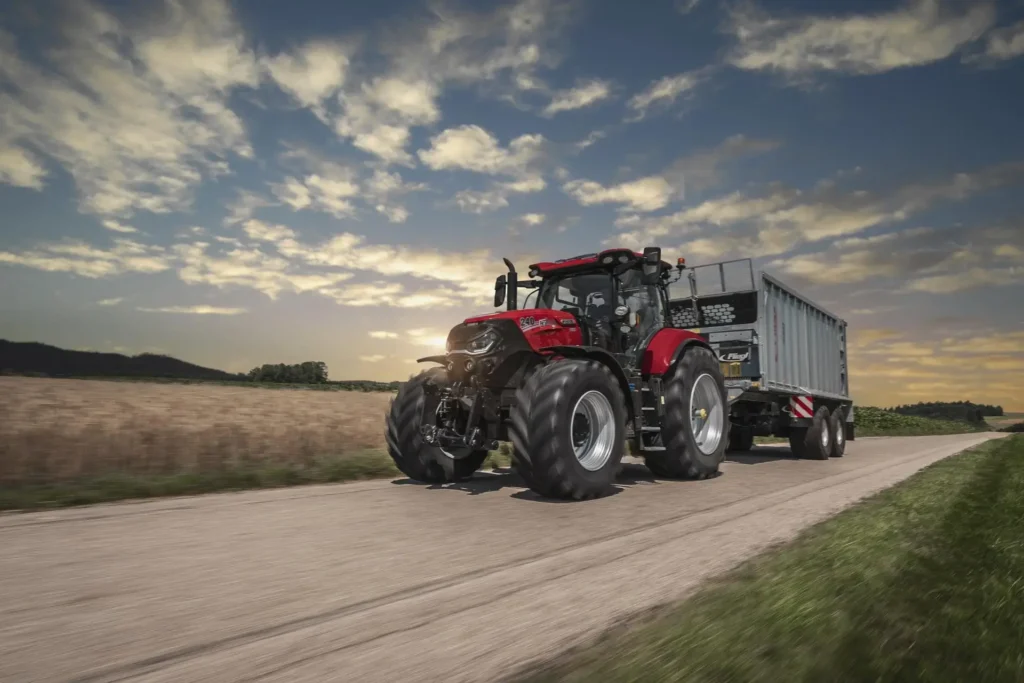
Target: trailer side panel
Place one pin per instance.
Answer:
(803, 346)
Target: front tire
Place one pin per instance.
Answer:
(696, 419)
(413, 457)
(568, 429)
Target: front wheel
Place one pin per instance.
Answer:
(568, 429)
(415, 458)
(696, 419)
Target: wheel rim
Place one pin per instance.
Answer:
(840, 437)
(824, 434)
(707, 414)
(592, 429)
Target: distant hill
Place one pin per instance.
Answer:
(35, 358)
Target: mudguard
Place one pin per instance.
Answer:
(602, 356)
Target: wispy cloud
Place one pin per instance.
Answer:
(195, 310)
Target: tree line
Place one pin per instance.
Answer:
(964, 411)
(312, 372)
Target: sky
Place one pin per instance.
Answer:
(242, 183)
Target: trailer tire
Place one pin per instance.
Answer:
(683, 458)
(837, 422)
(741, 439)
(415, 459)
(814, 442)
(558, 398)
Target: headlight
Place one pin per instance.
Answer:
(482, 343)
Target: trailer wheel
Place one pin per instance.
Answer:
(568, 429)
(414, 458)
(696, 424)
(741, 439)
(814, 442)
(837, 423)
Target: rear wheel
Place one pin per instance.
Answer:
(837, 422)
(814, 442)
(696, 419)
(415, 458)
(568, 429)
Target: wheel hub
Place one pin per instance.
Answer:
(707, 414)
(593, 430)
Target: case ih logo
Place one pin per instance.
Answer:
(528, 323)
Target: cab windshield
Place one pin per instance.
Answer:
(596, 296)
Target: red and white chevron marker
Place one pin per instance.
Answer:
(802, 406)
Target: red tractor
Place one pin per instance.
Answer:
(593, 362)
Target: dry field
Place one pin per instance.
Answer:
(56, 430)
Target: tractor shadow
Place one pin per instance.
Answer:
(495, 480)
(761, 454)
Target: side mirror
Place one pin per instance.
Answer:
(652, 264)
(499, 291)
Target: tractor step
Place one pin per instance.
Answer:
(648, 449)
(651, 429)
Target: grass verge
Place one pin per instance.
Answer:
(921, 582)
(870, 421)
(115, 486)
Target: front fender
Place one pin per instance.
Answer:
(601, 356)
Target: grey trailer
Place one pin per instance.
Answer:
(784, 357)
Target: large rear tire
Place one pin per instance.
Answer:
(814, 442)
(696, 421)
(568, 429)
(413, 457)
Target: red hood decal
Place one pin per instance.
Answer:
(535, 313)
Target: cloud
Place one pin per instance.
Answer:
(784, 218)
(18, 167)
(110, 302)
(311, 74)
(702, 169)
(117, 226)
(244, 205)
(499, 52)
(201, 309)
(136, 126)
(583, 94)
(533, 219)
(916, 260)
(664, 92)
(471, 148)
(376, 358)
(686, 6)
(916, 33)
(1001, 44)
(383, 334)
(79, 258)
(249, 267)
(644, 194)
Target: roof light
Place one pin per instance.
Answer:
(680, 261)
(623, 258)
(607, 259)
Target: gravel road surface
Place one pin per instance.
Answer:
(393, 581)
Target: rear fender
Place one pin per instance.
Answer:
(601, 356)
(666, 347)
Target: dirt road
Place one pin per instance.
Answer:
(393, 581)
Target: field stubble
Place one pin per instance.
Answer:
(54, 430)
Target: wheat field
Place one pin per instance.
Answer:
(54, 430)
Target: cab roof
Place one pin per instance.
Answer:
(584, 262)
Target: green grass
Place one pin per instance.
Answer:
(870, 421)
(922, 582)
(371, 464)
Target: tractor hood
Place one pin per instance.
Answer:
(541, 326)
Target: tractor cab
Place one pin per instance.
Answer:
(618, 297)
